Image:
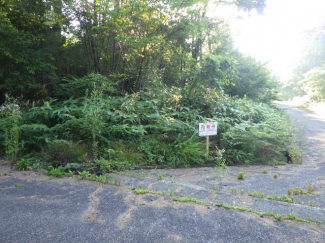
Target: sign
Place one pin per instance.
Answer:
(208, 129)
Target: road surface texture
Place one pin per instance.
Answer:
(36, 208)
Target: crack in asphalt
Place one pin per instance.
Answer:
(92, 212)
(125, 217)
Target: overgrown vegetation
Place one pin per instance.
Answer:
(137, 129)
(125, 84)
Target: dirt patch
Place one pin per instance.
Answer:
(7, 171)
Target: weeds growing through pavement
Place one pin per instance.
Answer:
(276, 216)
(289, 199)
(256, 194)
(301, 191)
(160, 176)
(241, 176)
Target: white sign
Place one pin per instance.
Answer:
(208, 129)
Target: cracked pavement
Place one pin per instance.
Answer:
(34, 208)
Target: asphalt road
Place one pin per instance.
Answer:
(34, 208)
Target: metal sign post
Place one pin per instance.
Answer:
(207, 146)
(208, 129)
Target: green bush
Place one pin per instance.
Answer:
(23, 164)
(56, 172)
(84, 174)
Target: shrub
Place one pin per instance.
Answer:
(84, 174)
(23, 164)
(56, 172)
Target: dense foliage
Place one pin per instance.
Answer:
(157, 127)
(135, 43)
(115, 84)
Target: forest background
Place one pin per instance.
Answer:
(116, 84)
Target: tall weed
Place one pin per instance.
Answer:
(10, 114)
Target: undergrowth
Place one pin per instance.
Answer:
(112, 132)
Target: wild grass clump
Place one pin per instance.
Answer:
(56, 172)
(23, 164)
(241, 176)
(301, 191)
